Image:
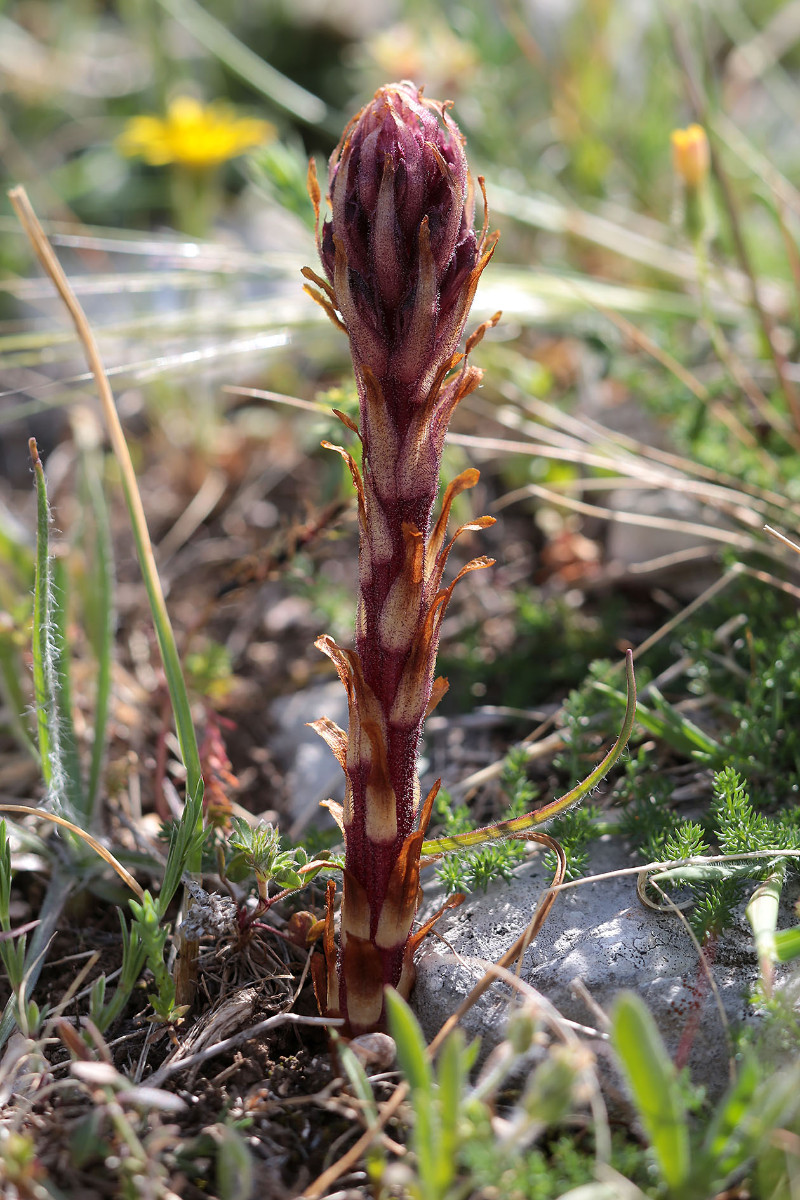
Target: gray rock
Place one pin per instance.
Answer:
(312, 773)
(604, 936)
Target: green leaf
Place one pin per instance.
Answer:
(185, 846)
(362, 1089)
(410, 1042)
(653, 1083)
(746, 1118)
(235, 1173)
(665, 722)
(707, 872)
(88, 1140)
(41, 610)
(682, 731)
(287, 878)
(357, 1076)
(134, 956)
(452, 1078)
(762, 913)
(787, 944)
(51, 674)
(238, 868)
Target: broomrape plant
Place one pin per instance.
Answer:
(402, 260)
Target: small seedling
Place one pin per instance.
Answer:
(692, 1167)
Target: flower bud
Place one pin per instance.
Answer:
(690, 155)
(691, 159)
(400, 249)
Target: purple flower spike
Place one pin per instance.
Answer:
(402, 261)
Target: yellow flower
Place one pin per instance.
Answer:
(192, 135)
(690, 154)
(443, 60)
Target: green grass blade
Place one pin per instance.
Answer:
(665, 722)
(134, 957)
(357, 1077)
(51, 674)
(410, 1043)
(181, 709)
(99, 613)
(757, 1104)
(453, 1077)
(185, 849)
(653, 1083)
(680, 727)
(708, 872)
(59, 890)
(413, 1059)
(787, 944)
(362, 1090)
(41, 619)
(245, 63)
(62, 699)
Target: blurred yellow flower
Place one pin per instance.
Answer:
(690, 154)
(435, 57)
(196, 136)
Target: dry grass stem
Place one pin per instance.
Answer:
(237, 1039)
(98, 848)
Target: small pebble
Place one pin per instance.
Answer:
(374, 1050)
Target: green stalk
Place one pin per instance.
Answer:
(134, 957)
(518, 825)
